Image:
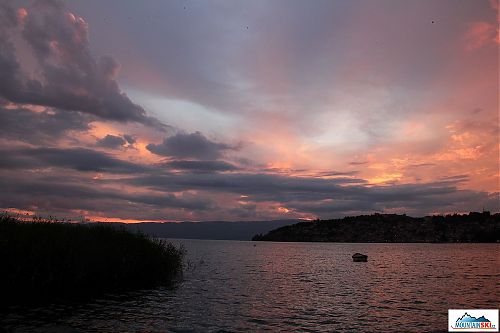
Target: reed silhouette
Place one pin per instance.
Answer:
(45, 261)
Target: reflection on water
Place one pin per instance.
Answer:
(300, 287)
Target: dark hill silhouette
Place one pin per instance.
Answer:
(239, 230)
(473, 228)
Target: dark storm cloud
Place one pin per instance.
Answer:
(80, 159)
(454, 178)
(193, 145)
(40, 127)
(323, 196)
(326, 198)
(170, 200)
(332, 206)
(111, 141)
(451, 201)
(264, 185)
(337, 173)
(358, 163)
(69, 77)
(130, 139)
(201, 166)
(10, 80)
(60, 194)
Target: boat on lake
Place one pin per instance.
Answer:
(359, 257)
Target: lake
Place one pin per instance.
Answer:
(234, 286)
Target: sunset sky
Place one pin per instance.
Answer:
(248, 110)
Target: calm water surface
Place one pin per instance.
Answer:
(232, 286)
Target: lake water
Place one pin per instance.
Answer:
(232, 286)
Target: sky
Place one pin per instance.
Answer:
(187, 110)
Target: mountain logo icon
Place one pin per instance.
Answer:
(473, 321)
(466, 318)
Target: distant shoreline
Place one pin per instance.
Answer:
(393, 228)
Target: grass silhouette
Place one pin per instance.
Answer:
(45, 261)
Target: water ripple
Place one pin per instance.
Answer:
(292, 287)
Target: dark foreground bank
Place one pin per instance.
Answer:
(393, 228)
(45, 261)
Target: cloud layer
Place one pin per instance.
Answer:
(68, 77)
(231, 110)
(193, 145)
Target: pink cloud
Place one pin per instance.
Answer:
(480, 34)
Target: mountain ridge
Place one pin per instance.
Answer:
(217, 230)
